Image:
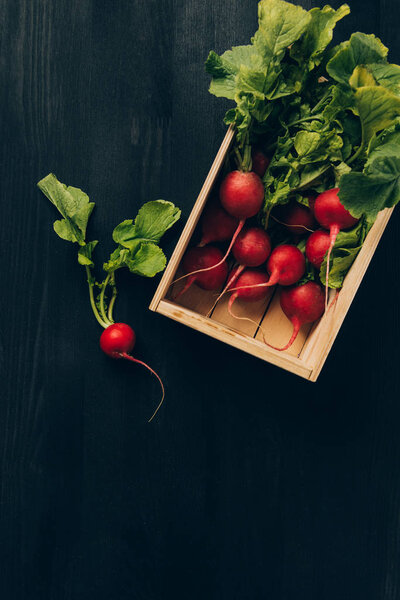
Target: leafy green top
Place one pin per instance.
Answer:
(326, 112)
(137, 241)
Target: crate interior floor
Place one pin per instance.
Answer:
(263, 320)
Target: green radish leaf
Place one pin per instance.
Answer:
(224, 69)
(361, 49)
(280, 25)
(306, 142)
(347, 246)
(362, 77)
(73, 204)
(377, 187)
(378, 109)
(85, 253)
(340, 262)
(387, 75)
(147, 261)
(310, 48)
(117, 260)
(137, 240)
(153, 220)
(252, 75)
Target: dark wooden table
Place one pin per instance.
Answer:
(252, 483)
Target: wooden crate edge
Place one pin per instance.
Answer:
(322, 339)
(233, 338)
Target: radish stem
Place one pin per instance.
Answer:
(101, 299)
(104, 324)
(113, 298)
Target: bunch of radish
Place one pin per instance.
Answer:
(257, 266)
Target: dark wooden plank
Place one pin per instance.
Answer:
(251, 483)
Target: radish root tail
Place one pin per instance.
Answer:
(185, 288)
(140, 362)
(233, 240)
(234, 275)
(333, 234)
(230, 310)
(287, 225)
(296, 329)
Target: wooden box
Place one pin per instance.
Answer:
(310, 350)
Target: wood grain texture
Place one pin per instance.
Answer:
(251, 483)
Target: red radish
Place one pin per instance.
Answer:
(250, 286)
(332, 215)
(252, 247)
(260, 162)
(297, 218)
(217, 225)
(241, 195)
(301, 304)
(204, 266)
(117, 341)
(317, 246)
(286, 265)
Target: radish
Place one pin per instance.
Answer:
(204, 266)
(241, 195)
(297, 218)
(286, 265)
(260, 162)
(317, 246)
(251, 249)
(217, 225)
(301, 304)
(332, 215)
(137, 250)
(117, 341)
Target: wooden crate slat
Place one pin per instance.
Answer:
(321, 339)
(252, 310)
(233, 338)
(196, 299)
